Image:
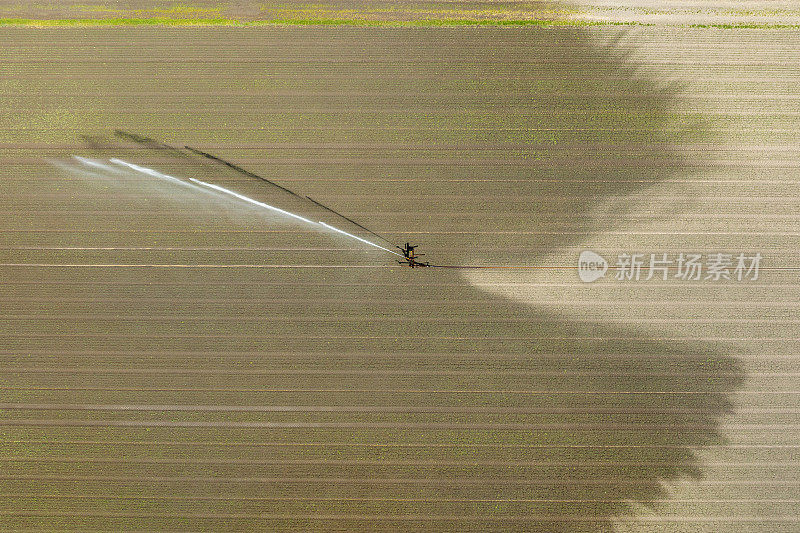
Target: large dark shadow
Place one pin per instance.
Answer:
(614, 415)
(621, 413)
(567, 421)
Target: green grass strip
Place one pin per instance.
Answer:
(155, 21)
(747, 26)
(425, 23)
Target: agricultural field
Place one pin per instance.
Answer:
(693, 13)
(175, 360)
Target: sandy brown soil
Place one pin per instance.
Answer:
(171, 361)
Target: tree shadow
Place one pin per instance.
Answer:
(583, 419)
(618, 414)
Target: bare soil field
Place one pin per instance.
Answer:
(170, 361)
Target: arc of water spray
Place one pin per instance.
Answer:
(96, 164)
(157, 174)
(278, 210)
